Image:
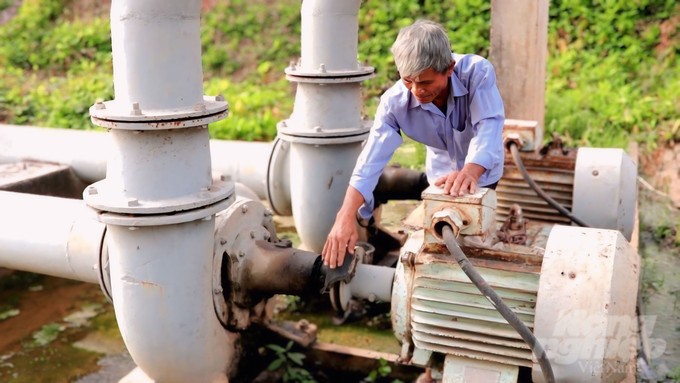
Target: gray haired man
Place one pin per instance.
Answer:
(447, 101)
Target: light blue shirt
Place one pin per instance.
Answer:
(471, 131)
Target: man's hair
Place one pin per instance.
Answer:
(423, 44)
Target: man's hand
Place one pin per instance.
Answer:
(457, 183)
(343, 235)
(341, 239)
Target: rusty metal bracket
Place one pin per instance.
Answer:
(514, 229)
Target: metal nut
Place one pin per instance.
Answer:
(244, 209)
(241, 254)
(292, 65)
(223, 241)
(513, 138)
(219, 97)
(135, 109)
(318, 129)
(596, 173)
(132, 202)
(252, 234)
(92, 190)
(218, 290)
(322, 68)
(225, 178)
(99, 105)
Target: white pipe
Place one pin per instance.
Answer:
(87, 153)
(320, 168)
(372, 282)
(49, 235)
(330, 34)
(156, 54)
(161, 277)
(327, 106)
(162, 264)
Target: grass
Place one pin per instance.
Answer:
(613, 71)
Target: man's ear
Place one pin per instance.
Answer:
(450, 70)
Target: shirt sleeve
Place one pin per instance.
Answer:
(383, 140)
(487, 118)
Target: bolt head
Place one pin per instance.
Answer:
(322, 68)
(292, 65)
(318, 129)
(241, 254)
(219, 97)
(218, 290)
(92, 190)
(132, 202)
(99, 105)
(225, 178)
(223, 241)
(244, 209)
(135, 105)
(596, 173)
(252, 234)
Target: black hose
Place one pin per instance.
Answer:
(514, 150)
(503, 309)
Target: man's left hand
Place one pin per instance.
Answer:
(457, 183)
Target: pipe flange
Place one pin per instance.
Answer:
(114, 115)
(320, 136)
(322, 76)
(105, 269)
(244, 220)
(98, 197)
(134, 221)
(278, 178)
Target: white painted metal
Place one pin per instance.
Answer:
(161, 277)
(318, 182)
(466, 370)
(372, 282)
(49, 235)
(161, 264)
(330, 35)
(585, 313)
(321, 107)
(84, 151)
(156, 55)
(87, 153)
(605, 189)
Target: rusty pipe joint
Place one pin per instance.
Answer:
(452, 217)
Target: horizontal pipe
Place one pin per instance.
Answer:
(87, 153)
(372, 282)
(49, 235)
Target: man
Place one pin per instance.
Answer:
(448, 102)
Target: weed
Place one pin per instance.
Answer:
(291, 362)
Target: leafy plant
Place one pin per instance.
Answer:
(674, 374)
(291, 362)
(383, 371)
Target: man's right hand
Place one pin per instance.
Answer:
(341, 239)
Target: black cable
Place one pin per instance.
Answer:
(503, 309)
(514, 150)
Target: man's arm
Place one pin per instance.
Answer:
(383, 140)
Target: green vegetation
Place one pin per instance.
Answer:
(613, 67)
(291, 363)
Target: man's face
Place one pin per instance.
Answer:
(428, 85)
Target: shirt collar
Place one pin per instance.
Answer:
(457, 87)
